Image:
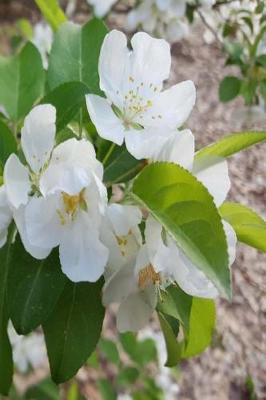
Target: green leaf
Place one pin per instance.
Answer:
(261, 60)
(186, 210)
(141, 352)
(250, 228)
(172, 346)
(182, 303)
(231, 144)
(106, 390)
(30, 282)
(201, 326)
(229, 88)
(75, 53)
(73, 328)
(109, 349)
(67, 98)
(8, 143)
(127, 376)
(52, 12)
(120, 166)
(21, 81)
(45, 390)
(6, 361)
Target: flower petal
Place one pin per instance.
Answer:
(37, 252)
(38, 134)
(231, 241)
(108, 125)
(17, 182)
(5, 216)
(172, 107)
(83, 257)
(114, 65)
(120, 285)
(43, 225)
(146, 59)
(179, 148)
(135, 312)
(124, 218)
(215, 178)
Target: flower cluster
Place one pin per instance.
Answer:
(56, 196)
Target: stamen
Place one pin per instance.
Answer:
(148, 276)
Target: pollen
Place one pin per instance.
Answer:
(148, 276)
(73, 203)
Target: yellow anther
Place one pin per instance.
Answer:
(148, 276)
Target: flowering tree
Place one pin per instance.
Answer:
(104, 198)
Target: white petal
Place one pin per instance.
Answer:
(70, 168)
(17, 182)
(39, 253)
(215, 178)
(108, 125)
(38, 134)
(102, 7)
(179, 148)
(83, 257)
(172, 105)
(135, 312)
(231, 241)
(151, 59)
(43, 224)
(146, 143)
(120, 285)
(124, 218)
(189, 277)
(113, 66)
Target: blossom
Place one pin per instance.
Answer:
(69, 212)
(21, 181)
(161, 18)
(132, 82)
(101, 7)
(43, 38)
(58, 198)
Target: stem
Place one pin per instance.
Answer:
(108, 154)
(209, 27)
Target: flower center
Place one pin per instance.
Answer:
(122, 243)
(72, 203)
(148, 276)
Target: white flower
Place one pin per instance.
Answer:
(101, 7)
(37, 141)
(132, 82)
(70, 210)
(5, 216)
(28, 351)
(43, 38)
(163, 18)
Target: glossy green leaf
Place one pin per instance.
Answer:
(250, 228)
(73, 328)
(52, 12)
(68, 99)
(229, 88)
(34, 288)
(8, 143)
(75, 53)
(201, 326)
(187, 211)
(109, 350)
(21, 81)
(231, 144)
(173, 348)
(6, 362)
(120, 166)
(45, 390)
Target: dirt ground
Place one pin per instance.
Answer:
(239, 348)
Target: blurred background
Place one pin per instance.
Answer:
(124, 367)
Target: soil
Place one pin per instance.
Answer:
(238, 353)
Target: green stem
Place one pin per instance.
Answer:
(108, 154)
